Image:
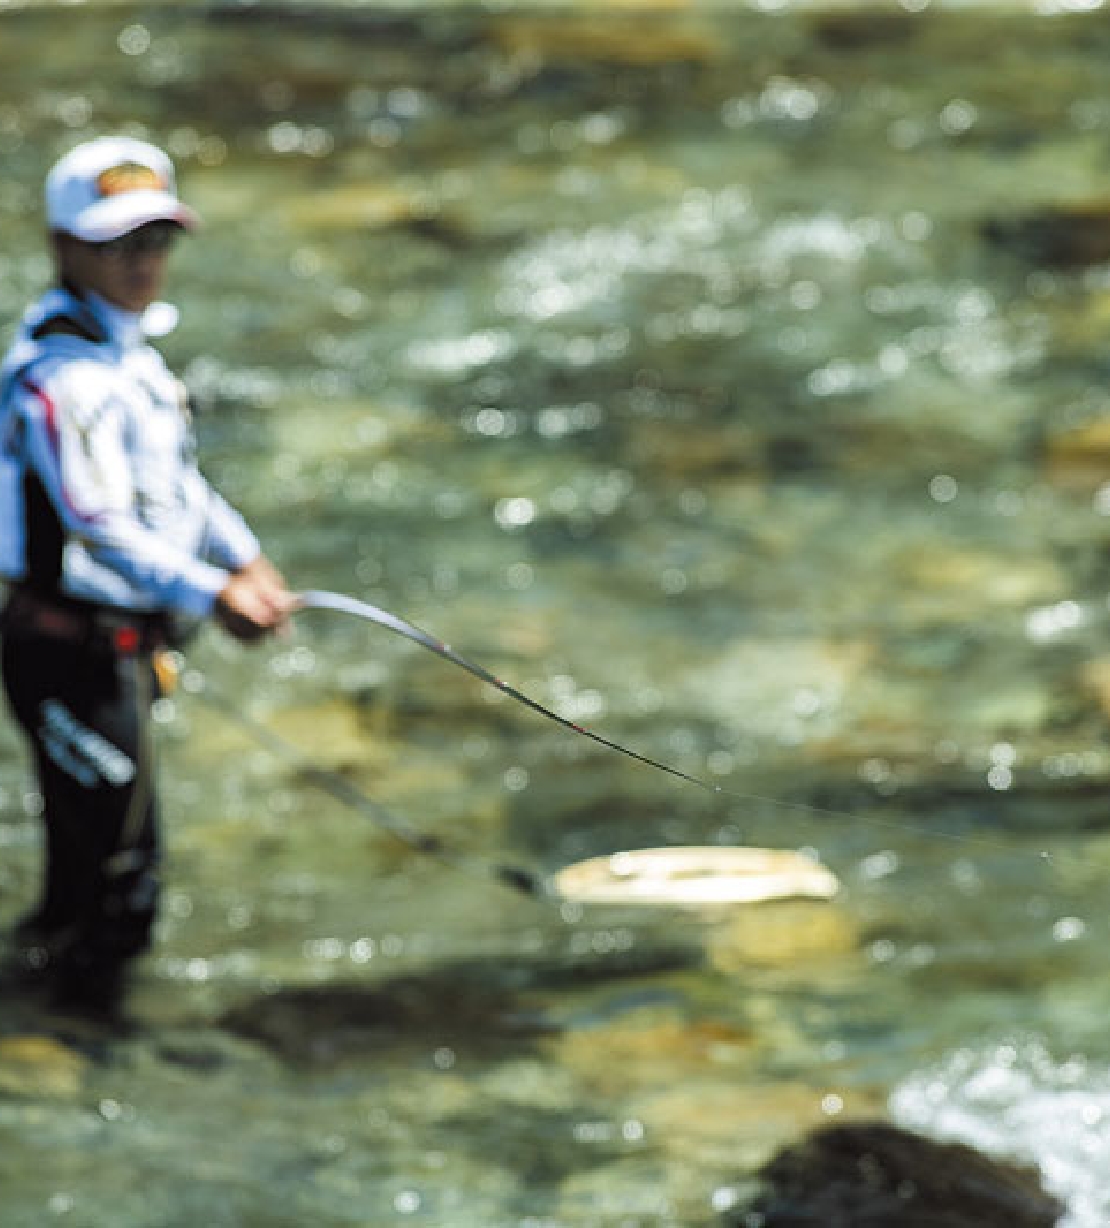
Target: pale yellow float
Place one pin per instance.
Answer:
(693, 875)
(760, 906)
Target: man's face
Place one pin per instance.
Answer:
(128, 272)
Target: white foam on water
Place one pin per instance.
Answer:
(1015, 1100)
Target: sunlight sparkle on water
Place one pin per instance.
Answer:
(1018, 1100)
(1048, 623)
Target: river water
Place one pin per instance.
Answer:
(731, 382)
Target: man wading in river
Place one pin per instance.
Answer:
(112, 543)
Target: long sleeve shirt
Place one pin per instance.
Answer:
(100, 495)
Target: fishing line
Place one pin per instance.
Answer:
(517, 877)
(318, 599)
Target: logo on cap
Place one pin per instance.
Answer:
(129, 177)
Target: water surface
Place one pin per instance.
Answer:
(733, 383)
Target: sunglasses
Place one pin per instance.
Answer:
(147, 240)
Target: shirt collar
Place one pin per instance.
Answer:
(129, 329)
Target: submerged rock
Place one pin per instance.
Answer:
(1062, 236)
(331, 730)
(356, 206)
(1079, 456)
(978, 578)
(780, 934)
(651, 1047)
(40, 1067)
(591, 41)
(700, 451)
(1094, 677)
(328, 1023)
(854, 32)
(759, 682)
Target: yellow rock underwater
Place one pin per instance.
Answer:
(38, 1067)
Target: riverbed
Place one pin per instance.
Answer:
(732, 382)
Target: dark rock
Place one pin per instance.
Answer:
(1066, 236)
(876, 1175)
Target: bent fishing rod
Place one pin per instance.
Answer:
(320, 599)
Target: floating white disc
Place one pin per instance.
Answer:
(694, 875)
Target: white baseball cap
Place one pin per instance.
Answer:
(109, 186)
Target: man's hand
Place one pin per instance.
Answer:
(255, 602)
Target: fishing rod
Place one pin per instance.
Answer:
(320, 599)
(517, 877)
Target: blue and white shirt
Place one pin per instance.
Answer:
(100, 497)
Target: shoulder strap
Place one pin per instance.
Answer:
(67, 314)
(66, 326)
(61, 323)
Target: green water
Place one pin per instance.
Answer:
(723, 380)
